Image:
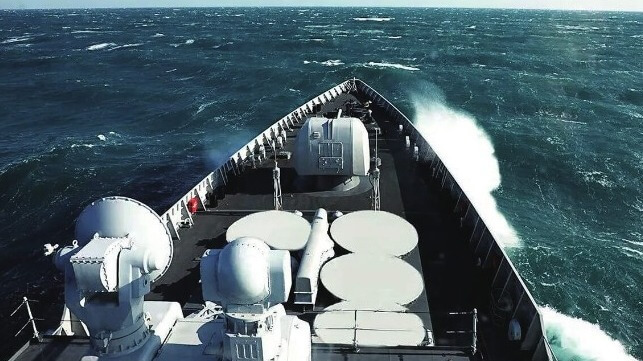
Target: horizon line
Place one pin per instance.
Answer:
(321, 6)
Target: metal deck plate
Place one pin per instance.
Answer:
(378, 232)
(369, 328)
(279, 229)
(364, 278)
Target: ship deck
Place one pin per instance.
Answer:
(452, 283)
(447, 272)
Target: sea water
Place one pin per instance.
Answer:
(539, 113)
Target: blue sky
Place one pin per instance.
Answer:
(627, 5)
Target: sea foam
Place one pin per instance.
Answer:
(467, 151)
(16, 39)
(126, 46)
(100, 46)
(374, 19)
(574, 339)
(329, 62)
(391, 65)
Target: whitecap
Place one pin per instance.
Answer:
(332, 62)
(16, 39)
(99, 46)
(319, 26)
(395, 37)
(329, 62)
(640, 244)
(632, 251)
(574, 339)
(371, 31)
(126, 46)
(572, 121)
(85, 32)
(224, 44)
(554, 140)
(85, 145)
(202, 107)
(101, 137)
(391, 65)
(595, 176)
(171, 70)
(189, 41)
(374, 19)
(158, 35)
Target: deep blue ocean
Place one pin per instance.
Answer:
(143, 103)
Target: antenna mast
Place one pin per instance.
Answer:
(375, 178)
(276, 181)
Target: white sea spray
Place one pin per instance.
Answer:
(574, 339)
(467, 151)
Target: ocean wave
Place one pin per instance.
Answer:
(99, 46)
(126, 46)
(391, 65)
(555, 140)
(636, 243)
(86, 31)
(222, 45)
(467, 151)
(187, 42)
(85, 145)
(632, 252)
(371, 31)
(16, 39)
(638, 205)
(321, 26)
(329, 62)
(204, 106)
(572, 121)
(374, 19)
(332, 62)
(595, 176)
(574, 339)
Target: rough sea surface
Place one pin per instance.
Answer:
(143, 103)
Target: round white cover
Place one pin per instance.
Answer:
(369, 328)
(360, 277)
(374, 232)
(117, 217)
(279, 229)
